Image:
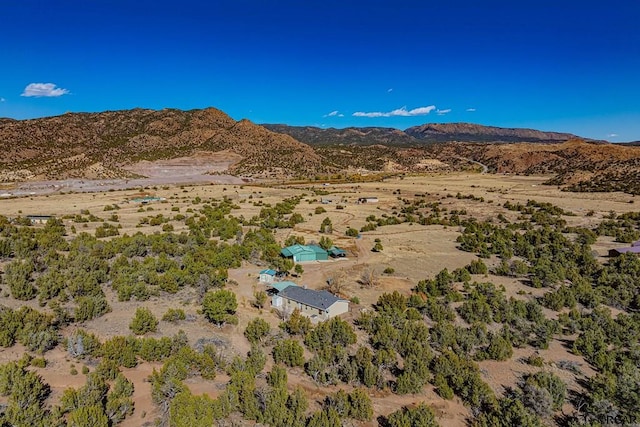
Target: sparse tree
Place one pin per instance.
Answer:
(422, 416)
(294, 240)
(477, 267)
(173, 315)
(352, 232)
(88, 416)
(220, 306)
(327, 226)
(325, 243)
(256, 330)
(369, 278)
(336, 281)
(260, 299)
(144, 321)
(289, 352)
(297, 324)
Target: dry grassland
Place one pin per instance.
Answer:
(415, 252)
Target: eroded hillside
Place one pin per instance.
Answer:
(99, 145)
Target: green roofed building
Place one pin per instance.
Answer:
(301, 253)
(267, 276)
(281, 286)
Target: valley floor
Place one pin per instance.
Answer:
(412, 252)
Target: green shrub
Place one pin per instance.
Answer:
(535, 360)
(39, 362)
(174, 315)
(421, 415)
(90, 307)
(256, 330)
(352, 232)
(144, 321)
(477, 267)
(289, 352)
(220, 306)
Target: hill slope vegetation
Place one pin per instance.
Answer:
(66, 146)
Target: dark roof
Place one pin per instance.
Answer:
(317, 299)
(336, 251)
(632, 249)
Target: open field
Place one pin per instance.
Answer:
(413, 251)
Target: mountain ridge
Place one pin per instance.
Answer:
(471, 132)
(113, 144)
(418, 135)
(65, 145)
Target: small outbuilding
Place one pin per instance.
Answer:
(335, 252)
(147, 199)
(370, 199)
(301, 253)
(619, 251)
(267, 276)
(39, 219)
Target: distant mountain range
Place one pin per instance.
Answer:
(417, 135)
(107, 144)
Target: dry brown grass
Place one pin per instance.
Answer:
(415, 252)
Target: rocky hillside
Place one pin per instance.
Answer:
(348, 136)
(417, 135)
(69, 145)
(577, 164)
(468, 132)
(573, 155)
(106, 145)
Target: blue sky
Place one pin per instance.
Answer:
(550, 65)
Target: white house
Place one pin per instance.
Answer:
(276, 288)
(318, 305)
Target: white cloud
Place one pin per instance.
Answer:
(612, 135)
(43, 89)
(334, 114)
(471, 110)
(443, 112)
(400, 112)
